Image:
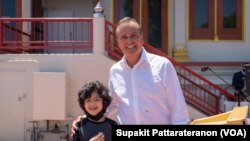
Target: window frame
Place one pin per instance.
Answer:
(230, 33)
(215, 28)
(201, 33)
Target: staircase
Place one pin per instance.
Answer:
(198, 91)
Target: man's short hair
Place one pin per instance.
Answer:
(127, 20)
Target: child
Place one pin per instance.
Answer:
(94, 99)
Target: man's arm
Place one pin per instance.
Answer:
(74, 125)
(176, 101)
(113, 107)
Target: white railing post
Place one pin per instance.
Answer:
(98, 30)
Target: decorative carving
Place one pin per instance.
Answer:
(180, 53)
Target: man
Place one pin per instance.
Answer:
(144, 87)
(239, 81)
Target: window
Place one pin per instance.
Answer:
(215, 19)
(123, 8)
(10, 8)
(230, 19)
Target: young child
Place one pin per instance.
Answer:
(94, 99)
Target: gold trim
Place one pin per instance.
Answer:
(215, 22)
(112, 11)
(170, 49)
(244, 20)
(22, 13)
(187, 20)
(140, 12)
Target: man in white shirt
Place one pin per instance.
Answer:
(144, 87)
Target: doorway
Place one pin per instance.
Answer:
(152, 15)
(12, 101)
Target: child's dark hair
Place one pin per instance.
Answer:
(86, 91)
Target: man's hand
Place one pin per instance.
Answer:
(98, 137)
(74, 125)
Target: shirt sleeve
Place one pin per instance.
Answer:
(113, 107)
(175, 98)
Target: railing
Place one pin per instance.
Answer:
(197, 90)
(29, 34)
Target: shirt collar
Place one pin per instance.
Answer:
(143, 57)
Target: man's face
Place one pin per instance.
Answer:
(129, 38)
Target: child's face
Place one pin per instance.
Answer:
(93, 105)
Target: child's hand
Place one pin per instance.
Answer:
(98, 137)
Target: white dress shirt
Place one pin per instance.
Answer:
(148, 93)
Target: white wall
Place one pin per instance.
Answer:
(219, 51)
(106, 4)
(16, 78)
(179, 34)
(26, 11)
(80, 8)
